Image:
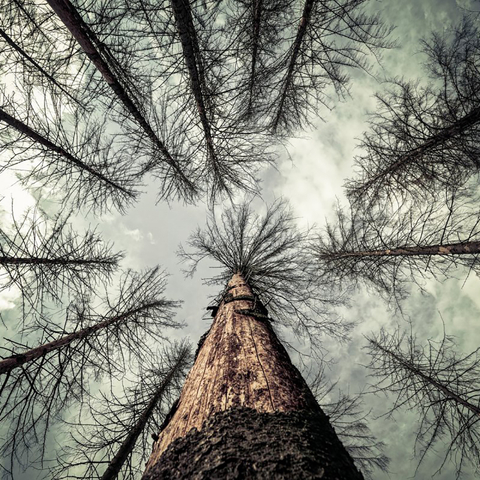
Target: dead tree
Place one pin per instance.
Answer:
(351, 423)
(423, 139)
(117, 433)
(80, 161)
(268, 252)
(257, 28)
(245, 408)
(387, 249)
(123, 87)
(38, 383)
(46, 259)
(439, 384)
(35, 52)
(331, 37)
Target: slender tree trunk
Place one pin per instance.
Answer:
(463, 248)
(257, 7)
(88, 41)
(16, 361)
(245, 411)
(126, 448)
(302, 28)
(69, 158)
(29, 59)
(62, 260)
(191, 55)
(413, 156)
(411, 367)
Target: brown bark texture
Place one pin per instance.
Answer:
(241, 367)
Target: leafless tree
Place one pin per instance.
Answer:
(114, 442)
(388, 249)
(267, 252)
(38, 383)
(258, 29)
(331, 37)
(347, 415)
(438, 383)
(35, 52)
(426, 138)
(44, 259)
(75, 155)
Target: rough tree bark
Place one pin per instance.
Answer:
(245, 410)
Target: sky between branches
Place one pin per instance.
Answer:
(310, 176)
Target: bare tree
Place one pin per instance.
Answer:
(426, 138)
(438, 383)
(116, 440)
(75, 155)
(388, 249)
(257, 28)
(331, 37)
(35, 52)
(347, 415)
(45, 258)
(267, 251)
(38, 383)
(245, 408)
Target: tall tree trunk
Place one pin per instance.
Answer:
(245, 411)
(128, 444)
(15, 361)
(462, 248)
(89, 42)
(295, 51)
(257, 7)
(69, 158)
(61, 260)
(191, 54)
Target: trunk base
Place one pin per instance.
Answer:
(242, 443)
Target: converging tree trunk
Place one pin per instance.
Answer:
(105, 63)
(245, 411)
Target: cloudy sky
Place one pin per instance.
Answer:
(311, 178)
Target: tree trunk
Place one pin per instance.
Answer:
(428, 379)
(415, 155)
(463, 248)
(62, 260)
(257, 7)
(302, 29)
(16, 361)
(245, 411)
(87, 40)
(191, 55)
(128, 444)
(38, 138)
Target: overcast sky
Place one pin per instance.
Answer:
(311, 178)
